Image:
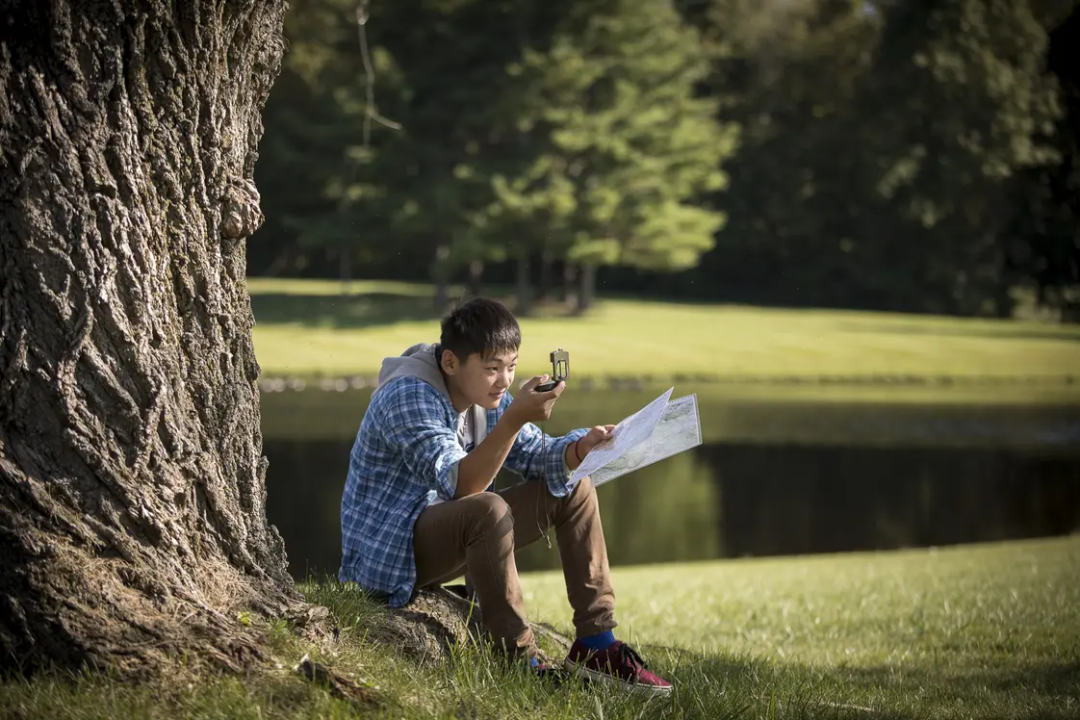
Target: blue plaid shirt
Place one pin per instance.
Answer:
(401, 461)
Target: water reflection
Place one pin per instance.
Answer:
(741, 497)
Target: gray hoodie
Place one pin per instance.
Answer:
(420, 362)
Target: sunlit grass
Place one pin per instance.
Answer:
(987, 631)
(306, 328)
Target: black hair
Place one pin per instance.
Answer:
(479, 325)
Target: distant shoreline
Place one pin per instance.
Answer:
(589, 383)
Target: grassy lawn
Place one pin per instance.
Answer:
(988, 631)
(307, 329)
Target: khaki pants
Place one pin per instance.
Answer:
(479, 534)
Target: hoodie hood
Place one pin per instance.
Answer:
(419, 361)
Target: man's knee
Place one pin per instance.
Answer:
(490, 514)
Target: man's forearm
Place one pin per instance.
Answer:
(573, 460)
(477, 469)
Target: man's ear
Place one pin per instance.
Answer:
(449, 362)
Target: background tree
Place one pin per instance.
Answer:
(460, 109)
(622, 152)
(890, 155)
(881, 142)
(785, 73)
(1042, 248)
(327, 214)
(957, 106)
(132, 513)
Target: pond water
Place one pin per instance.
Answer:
(781, 471)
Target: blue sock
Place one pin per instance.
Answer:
(598, 642)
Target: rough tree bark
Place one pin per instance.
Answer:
(132, 514)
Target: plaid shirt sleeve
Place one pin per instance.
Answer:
(529, 459)
(416, 427)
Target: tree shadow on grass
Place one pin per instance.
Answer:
(370, 309)
(336, 311)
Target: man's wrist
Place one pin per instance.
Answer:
(510, 417)
(577, 452)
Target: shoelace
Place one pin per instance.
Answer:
(629, 656)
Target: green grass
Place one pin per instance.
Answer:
(306, 328)
(987, 631)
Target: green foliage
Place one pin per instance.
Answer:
(521, 129)
(880, 145)
(889, 155)
(1043, 244)
(622, 151)
(974, 109)
(307, 126)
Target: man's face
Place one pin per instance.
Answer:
(481, 381)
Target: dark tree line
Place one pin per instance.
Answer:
(903, 154)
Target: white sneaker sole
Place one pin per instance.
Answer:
(635, 688)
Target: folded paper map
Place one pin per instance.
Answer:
(659, 430)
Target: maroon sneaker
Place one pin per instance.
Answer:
(617, 664)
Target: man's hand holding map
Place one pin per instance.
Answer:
(657, 431)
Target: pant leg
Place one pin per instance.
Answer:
(582, 549)
(476, 533)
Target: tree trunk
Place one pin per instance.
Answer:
(570, 286)
(524, 285)
(345, 271)
(588, 289)
(476, 274)
(543, 290)
(132, 497)
(440, 273)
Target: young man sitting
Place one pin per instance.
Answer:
(417, 510)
